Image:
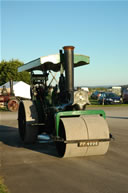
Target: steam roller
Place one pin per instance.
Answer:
(58, 110)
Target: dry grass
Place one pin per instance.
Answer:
(3, 188)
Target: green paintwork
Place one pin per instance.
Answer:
(76, 113)
(79, 59)
(52, 62)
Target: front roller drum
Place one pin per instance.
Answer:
(83, 136)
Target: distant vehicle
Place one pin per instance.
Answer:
(109, 98)
(96, 94)
(116, 90)
(125, 96)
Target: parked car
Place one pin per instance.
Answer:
(109, 98)
(96, 94)
(125, 96)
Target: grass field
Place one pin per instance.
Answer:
(3, 109)
(3, 188)
(95, 103)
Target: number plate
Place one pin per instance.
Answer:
(88, 143)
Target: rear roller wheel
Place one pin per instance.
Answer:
(27, 130)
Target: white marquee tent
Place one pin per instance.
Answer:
(20, 88)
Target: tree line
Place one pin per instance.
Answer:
(9, 71)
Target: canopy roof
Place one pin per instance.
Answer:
(52, 62)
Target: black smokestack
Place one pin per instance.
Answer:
(69, 70)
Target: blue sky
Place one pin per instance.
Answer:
(99, 29)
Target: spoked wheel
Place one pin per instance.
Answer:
(13, 105)
(28, 132)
